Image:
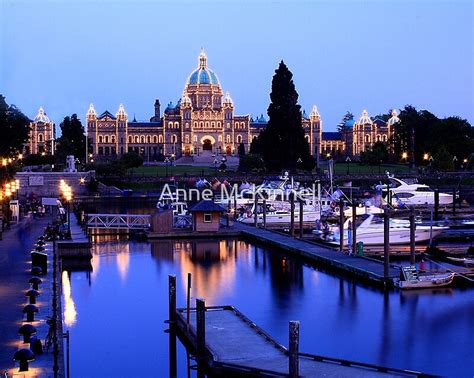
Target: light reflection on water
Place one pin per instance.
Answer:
(122, 305)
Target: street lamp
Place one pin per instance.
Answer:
(348, 160)
(215, 165)
(166, 161)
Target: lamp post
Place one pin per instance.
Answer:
(166, 161)
(348, 160)
(215, 165)
(455, 159)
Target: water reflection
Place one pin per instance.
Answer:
(338, 316)
(70, 312)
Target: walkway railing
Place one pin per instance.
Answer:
(124, 221)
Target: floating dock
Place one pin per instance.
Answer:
(236, 346)
(365, 268)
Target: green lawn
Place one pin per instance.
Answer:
(159, 170)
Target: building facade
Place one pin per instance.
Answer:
(203, 121)
(41, 135)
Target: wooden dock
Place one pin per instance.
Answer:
(79, 246)
(236, 346)
(368, 269)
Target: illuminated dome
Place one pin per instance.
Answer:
(203, 75)
(365, 119)
(394, 119)
(41, 116)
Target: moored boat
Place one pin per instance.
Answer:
(411, 279)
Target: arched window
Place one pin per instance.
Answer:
(307, 138)
(207, 124)
(195, 124)
(384, 138)
(155, 139)
(201, 124)
(186, 139)
(148, 139)
(227, 138)
(219, 124)
(137, 139)
(142, 139)
(170, 125)
(378, 138)
(213, 125)
(100, 138)
(112, 138)
(228, 125)
(176, 125)
(239, 138)
(195, 138)
(174, 139)
(40, 137)
(106, 139)
(187, 125)
(130, 139)
(367, 138)
(219, 138)
(160, 138)
(254, 137)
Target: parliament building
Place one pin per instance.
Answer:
(203, 122)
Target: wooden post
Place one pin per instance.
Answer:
(173, 360)
(454, 201)
(235, 206)
(436, 204)
(354, 230)
(386, 242)
(172, 298)
(255, 215)
(412, 235)
(264, 213)
(292, 214)
(341, 226)
(301, 218)
(188, 300)
(68, 369)
(293, 349)
(201, 326)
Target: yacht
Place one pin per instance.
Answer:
(405, 193)
(277, 213)
(371, 231)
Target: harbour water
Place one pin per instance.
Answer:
(116, 312)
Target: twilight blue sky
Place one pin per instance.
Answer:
(345, 55)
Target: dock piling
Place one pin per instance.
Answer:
(412, 235)
(292, 215)
(341, 225)
(264, 213)
(386, 242)
(172, 298)
(301, 219)
(354, 230)
(255, 214)
(454, 201)
(436, 204)
(201, 326)
(293, 349)
(188, 300)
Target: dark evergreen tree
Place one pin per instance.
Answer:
(282, 144)
(241, 149)
(341, 125)
(72, 140)
(13, 129)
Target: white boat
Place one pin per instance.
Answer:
(462, 260)
(278, 213)
(412, 193)
(172, 202)
(411, 279)
(371, 231)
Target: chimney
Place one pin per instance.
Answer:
(157, 110)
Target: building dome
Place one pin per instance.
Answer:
(394, 119)
(41, 116)
(364, 118)
(203, 75)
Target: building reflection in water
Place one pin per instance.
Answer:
(212, 264)
(70, 313)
